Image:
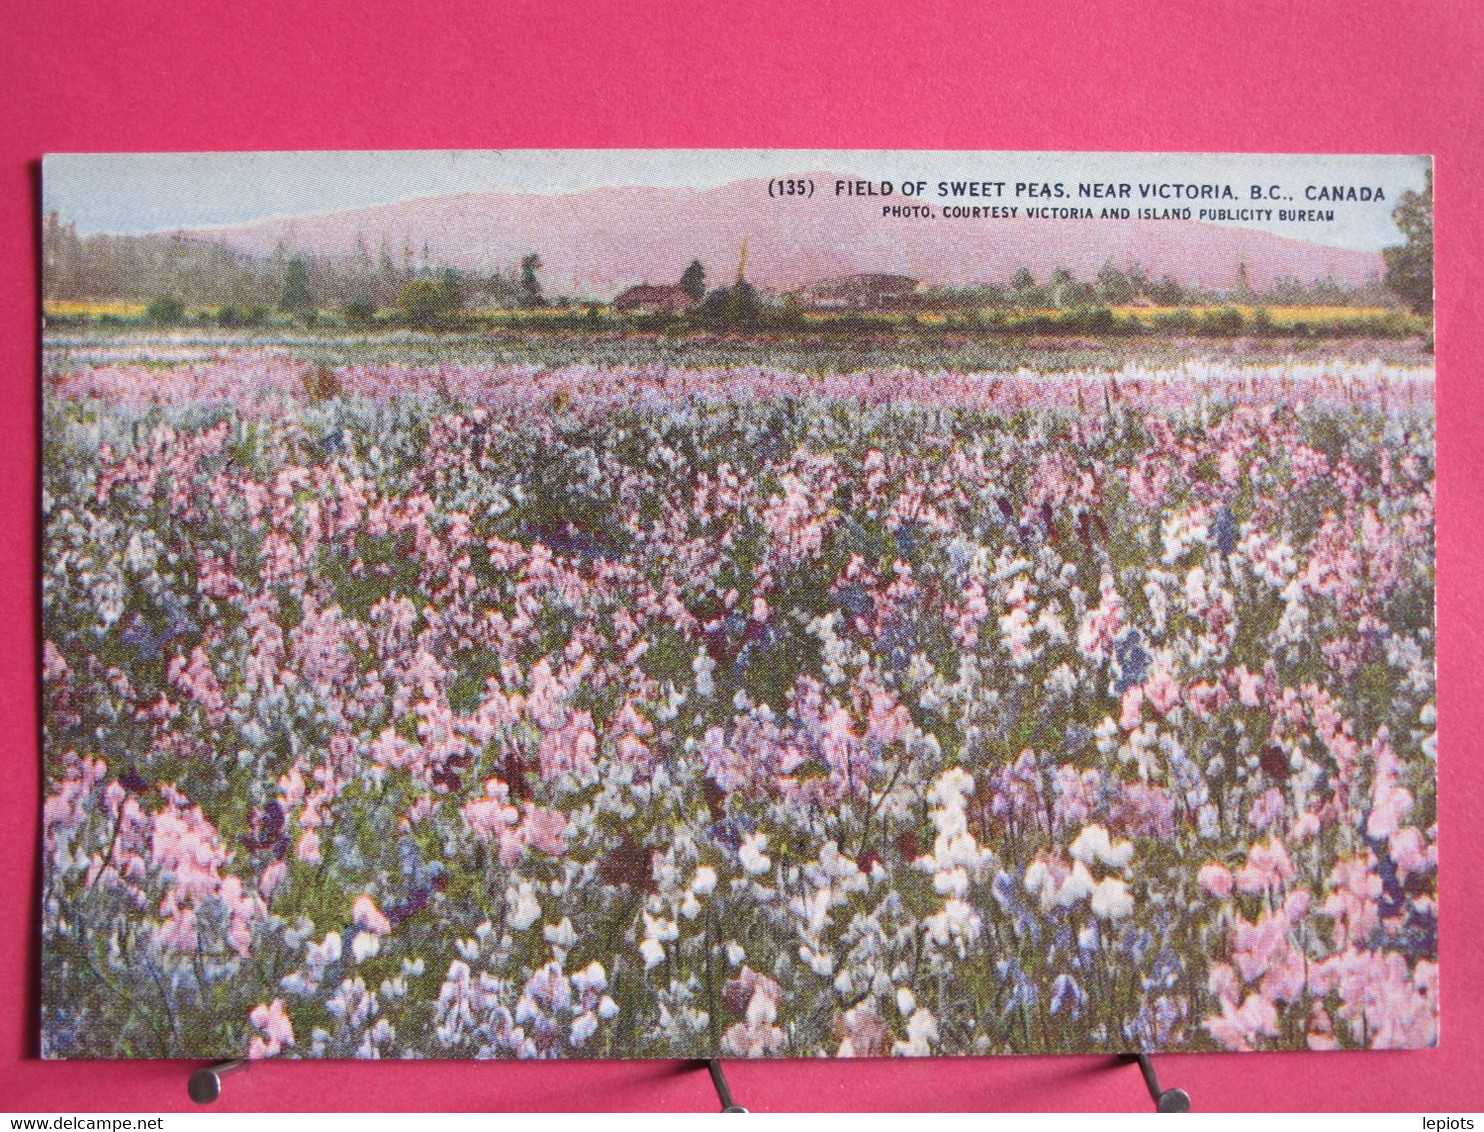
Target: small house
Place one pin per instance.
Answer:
(865, 291)
(646, 299)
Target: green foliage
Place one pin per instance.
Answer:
(734, 306)
(1166, 292)
(167, 310)
(693, 280)
(530, 281)
(1224, 323)
(360, 312)
(295, 297)
(1114, 287)
(426, 304)
(451, 290)
(1409, 266)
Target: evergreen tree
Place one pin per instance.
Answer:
(1242, 291)
(693, 281)
(1409, 265)
(530, 281)
(1114, 286)
(296, 297)
(451, 291)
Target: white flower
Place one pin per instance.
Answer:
(703, 666)
(1111, 899)
(705, 882)
(821, 963)
(922, 1029)
(1035, 875)
(656, 927)
(953, 881)
(1208, 821)
(761, 1009)
(325, 953)
(583, 1027)
(653, 951)
(591, 978)
(1093, 844)
(560, 935)
(525, 910)
(962, 919)
(393, 989)
(365, 945)
(1077, 887)
(753, 855)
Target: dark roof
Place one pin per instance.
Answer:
(647, 293)
(865, 282)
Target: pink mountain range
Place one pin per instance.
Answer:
(596, 242)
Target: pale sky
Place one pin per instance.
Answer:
(133, 193)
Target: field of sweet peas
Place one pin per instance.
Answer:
(514, 711)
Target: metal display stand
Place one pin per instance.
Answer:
(723, 1090)
(1165, 1100)
(205, 1085)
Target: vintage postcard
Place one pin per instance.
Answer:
(733, 603)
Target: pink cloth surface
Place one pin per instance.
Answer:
(1289, 76)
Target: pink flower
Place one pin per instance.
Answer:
(365, 914)
(1215, 879)
(1133, 709)
(1206, 699)
(1297, 905)
(273, 876)
(1240, 1027)
(866, 1033)
(1321, 1030)
(1256, 946)
(756, 997)
(1268, 866)
(1354, 898)
(1390, 803)
(1248, 684)
(546, 830)
(1305, 826)
(277, 1030)
(1224, 983)
(1412, 853)
(1284, 980)
(1162, 692)
(179, 930)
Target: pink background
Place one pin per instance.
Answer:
(1261, 76)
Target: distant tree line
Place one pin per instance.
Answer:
(246, 288)
(1132, 285)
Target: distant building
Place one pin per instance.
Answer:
(645, 299)
(863, 292)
